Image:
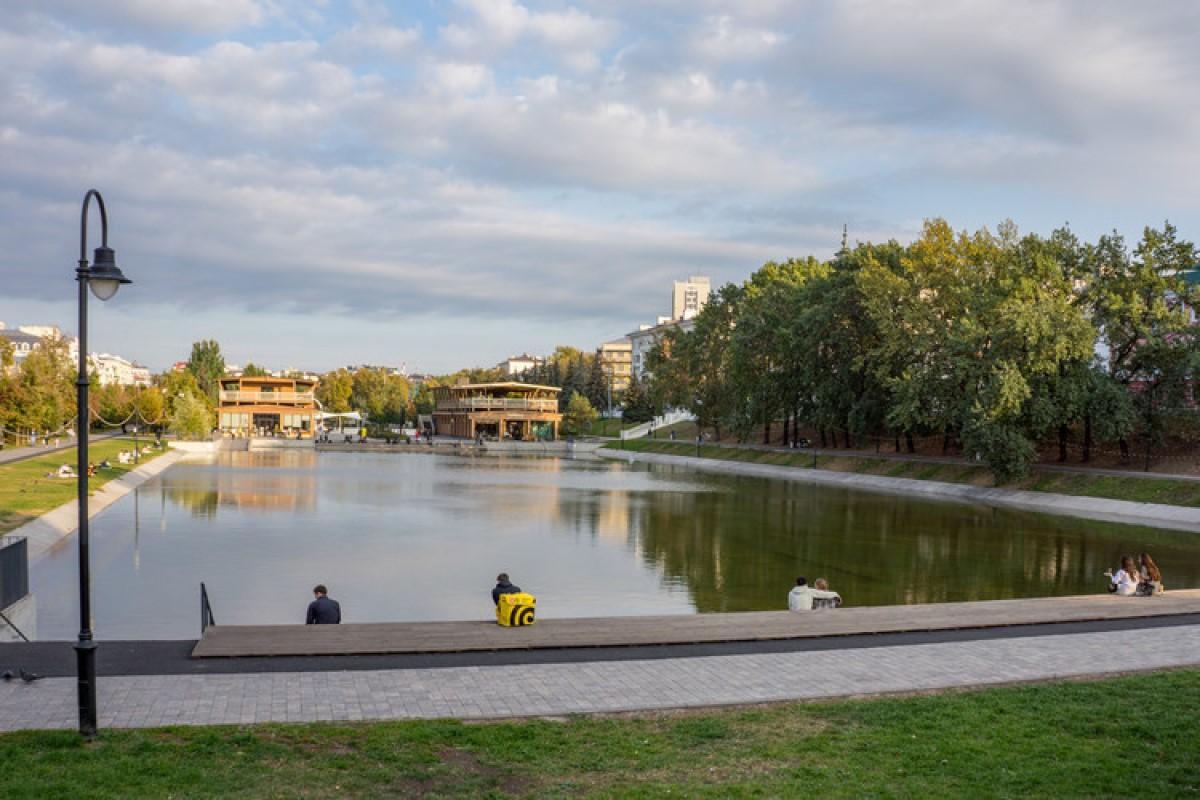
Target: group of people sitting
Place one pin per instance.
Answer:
(803, 597)
(1141, 578)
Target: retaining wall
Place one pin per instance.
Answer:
(1156, 515)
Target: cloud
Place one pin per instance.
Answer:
(196, 16)
(721, 38)
(490, 27)
(547, 162)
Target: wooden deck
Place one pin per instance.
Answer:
(226, 641)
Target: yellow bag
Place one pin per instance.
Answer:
(515, 609)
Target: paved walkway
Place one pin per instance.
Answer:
(591, 687)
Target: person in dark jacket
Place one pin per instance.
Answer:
(322, 610)
(503, 586)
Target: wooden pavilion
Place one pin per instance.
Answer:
(266, 406)
(507, 410)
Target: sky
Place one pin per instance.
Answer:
(444, 183)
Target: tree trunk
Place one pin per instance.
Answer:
(912, 448)
(945, 442)
(1087, 438)
(787, 421)
(821, 434)
(767, 433)
(897, 443)
(1124, 443)
(1062, 443)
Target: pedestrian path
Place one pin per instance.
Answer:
(240, 641)
(13, 454)
(593, 687)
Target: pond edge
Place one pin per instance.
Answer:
(1158, 515)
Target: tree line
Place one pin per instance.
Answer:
(997, 343)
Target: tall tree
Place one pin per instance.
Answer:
(579, 414)
(334, 390)
(208, 365)
(191, 418)
(1144, 307)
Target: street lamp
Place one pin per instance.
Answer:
(104, 278)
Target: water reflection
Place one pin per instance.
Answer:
(269, 481)
(417, 536)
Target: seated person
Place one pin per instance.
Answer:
(821, 602)
(323, 610)
(1150, 578)
(1125, 582)
(105, 464)
(503, 586)
(801, 597)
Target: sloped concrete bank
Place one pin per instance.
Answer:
(1156, 515)
(51, 528)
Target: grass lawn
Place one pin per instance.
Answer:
(608, 427)
(26, 492)
(1138, 489)
(1125, 737)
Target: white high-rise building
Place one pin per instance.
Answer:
(688, 297)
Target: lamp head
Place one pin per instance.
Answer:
(104, 277)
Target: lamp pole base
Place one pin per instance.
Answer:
(85, 660)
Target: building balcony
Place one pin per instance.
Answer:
(545, 405)
(269, 398)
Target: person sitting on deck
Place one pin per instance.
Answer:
(801, 597)
(503, 586)
(1150, 582)
(1125, 582)
(821, 602)
(323, 610)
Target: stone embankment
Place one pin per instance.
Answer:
(1157, 515)
(50, 529)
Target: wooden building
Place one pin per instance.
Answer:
(265, 406)
(507, 410)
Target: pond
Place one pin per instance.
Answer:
(422, 537)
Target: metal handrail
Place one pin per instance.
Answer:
(206, 614)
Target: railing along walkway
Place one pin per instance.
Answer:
(453, 637)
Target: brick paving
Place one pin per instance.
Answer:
(590, 687)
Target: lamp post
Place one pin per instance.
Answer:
(104, 278)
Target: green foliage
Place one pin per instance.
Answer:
(985, 339)
(579, 414)
(149, 405)
(252, 370)
(423, 401)
(191, 417)
(334, 390)
(638, 404)
(382, 396)
(207, 365)
(40, 395)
